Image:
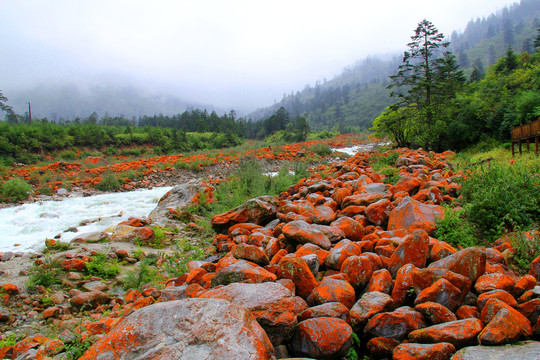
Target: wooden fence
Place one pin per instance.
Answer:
(525, 134)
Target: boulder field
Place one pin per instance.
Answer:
(340, 260)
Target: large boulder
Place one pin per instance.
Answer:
(272, 304)
(518, 351)
(185, 329)
(414, 215)
(176, 198)
(260, 211)
(323, 338)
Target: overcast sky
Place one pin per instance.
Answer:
(241, 53)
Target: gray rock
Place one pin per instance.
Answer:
(91, 237)
(529, 350)
(201, 329)
(95, 286)
(4, 314)
(176, 198)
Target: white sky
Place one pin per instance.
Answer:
(232, 53)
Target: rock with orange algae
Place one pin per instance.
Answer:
(467, 311)
(382, 347)
(459, 333)
(341, 251)
(126, 233)
(370, 304)
(332, 290)
(272, 304)
(352, 229)
(497, 294)
(49, 348)
(358, 270)
(251, 253)
(439, 250)
(322, 338)
(504, 328)
(435, 313)
(411, 215)
(534, 270)
(441, 292)
(470, 262)
(407, 184)
(333, 233)
(381, 281)
(239, 271)
(397, 324)
(531, 310)
(403, 284)
(488, 282)
(378, 212)
(297, 270)
(73, 265)
(194, 328)
(426, 277)
(527, 282)
(440, 351)
(525, 350)
(259, 211)
(413, 250)
(363, 199)
(301, 232)
(332, 309)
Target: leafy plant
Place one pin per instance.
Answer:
(145, 274)
(455, 229)
(109, 183)
(176, 263)
(46, 274)
(102, 266)
(15, 190)
(526, 247)
(78, 346)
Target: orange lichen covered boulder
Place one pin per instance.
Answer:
(413, 250)
(297, 270)
(340, 252)
(441, 292)
(358, 270)
(251, 253)
(459, 333)
(505, 327)
(259, 211)
(469, 262)
(382, 347)
(332, 309)
(411, 215)
(435, 313)
(301, 232)
(381, 281)
(218, 329)
(494, 281)
(370, 304)
(322, 338)
(378, 212)
(441, 351)
(239, 271)
(352, 229)
(397, 324)
(333, 290)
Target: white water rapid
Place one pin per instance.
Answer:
(29, 225)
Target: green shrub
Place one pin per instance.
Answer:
(47, 274)
(526, 247)
(68, 155)
(109, 182)
(455, 229)
(322, 150)
(102, 266)
(176, 263)
(15, 190)
(145, 274)
(502, 196)
(391, 175)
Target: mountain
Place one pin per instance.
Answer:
(351, 101)
(68, 101)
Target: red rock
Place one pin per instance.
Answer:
(10, 289)
(340, 252)
(534, 270)
(470, 262)
(332, 290)
(413, 250)
(467, 311)
(491, 309)
(425, 278)
(301, 232)
(411, 215)
(382, 347)
(51, 312)
(322, 338)
(370, 304)
(73, 265)
(439, 250)
(334, 234)
(496, 294)
(441, 351)
(242, 229)
(324, 215)
(379, 212)
(222, 330)
(381, 281)
(258, 211)
(298, 271)
(363, 199)
(308, 249)
(358, 270)
(504, 328)
(435, 313)
(332, 309)
(531, 310)
(49, 348)
(458, 333)
(276, 311)
(441, 292)
(494, 281)
(250, 253)
(352, 229)
(432, 194)
(407, 184)
(240, 271)
(523, 284)
(353, 210)
(403, 284)
(397, 324)
(340, 194)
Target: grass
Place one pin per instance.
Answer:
(526, 247)
(46, 274)
(146, 273)
(176, 263)
(102, 266)
(455, 229)
(15, 190)
(109, 182)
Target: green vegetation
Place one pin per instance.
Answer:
(146, 273)
(526, 247)
(456, 229)
(109, 182)
(176, 263)
(46, 274)
(78, 345)
(15, 190)
(102, 266)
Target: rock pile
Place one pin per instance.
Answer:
(332, 260)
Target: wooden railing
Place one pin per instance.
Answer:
(525, 134)
(526, 131)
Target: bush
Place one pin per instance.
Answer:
(109, 183)
(145, 274)
(455, 229)
(322, 150)
(501, 196)
(101, 265)
(526, 246)
(46, 274)
(16, 190)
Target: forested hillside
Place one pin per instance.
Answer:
(351, 101)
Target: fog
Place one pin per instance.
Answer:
(240, 54)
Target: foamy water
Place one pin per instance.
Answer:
(30, 224)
